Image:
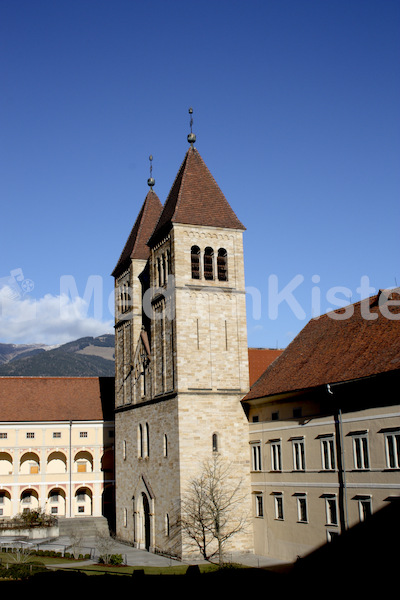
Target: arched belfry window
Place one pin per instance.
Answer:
(195, 257)
(222, 265)
(208, 263)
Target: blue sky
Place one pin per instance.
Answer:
(296, 113)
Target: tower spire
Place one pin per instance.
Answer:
(191, 137)
(151, 181)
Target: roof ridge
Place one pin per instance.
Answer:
(184, 173)
(137, 233)
(144, 209)
(195, 199)
(159, 225)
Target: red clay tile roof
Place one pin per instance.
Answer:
(136, 245)
(259, 360)
(195, 199)
(328, 350)
(56, 398)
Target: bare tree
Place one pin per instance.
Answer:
(211, 509)
(104, 545)
(76, 540)
(21, 553)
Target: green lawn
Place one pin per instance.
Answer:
(128, 570)
(67, 563)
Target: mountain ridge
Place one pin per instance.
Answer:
(84, 357)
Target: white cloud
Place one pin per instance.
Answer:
(48, 320)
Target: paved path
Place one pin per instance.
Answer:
(138, 558)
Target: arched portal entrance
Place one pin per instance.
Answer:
(146, 510)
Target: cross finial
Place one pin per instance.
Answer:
(191, 137)
(151, 181)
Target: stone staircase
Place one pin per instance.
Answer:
(87, 526)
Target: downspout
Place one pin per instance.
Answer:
(342, 464)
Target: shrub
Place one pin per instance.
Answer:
(111, 559)
(20, 571)
(32, 518)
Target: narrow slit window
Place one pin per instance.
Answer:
(215, 442)
(222, 265)
(209, 263)
(195, 258)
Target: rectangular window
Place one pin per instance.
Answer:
(331, 510)
(33, 469)
(276, 456)
(30, 435)
(360, 449)
(297, 413)
(81, 467)
(259, 506)
(299, 463)
(328, 454)
(56, 434)
(256, 456)
(331, 535)
(3, 436)
(302, 509)
(364, 507)
(54, 510)
(279, 507)
(392, 443)
(83, 434)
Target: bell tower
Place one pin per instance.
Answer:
(191, 352)
(131, 279)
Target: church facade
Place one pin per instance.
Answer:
(181, 359)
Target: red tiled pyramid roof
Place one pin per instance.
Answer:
(328, 350)
(136, 245)
(56, 398)
(195, 199)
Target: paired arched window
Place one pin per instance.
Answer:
(164, 268)
(209, 264)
